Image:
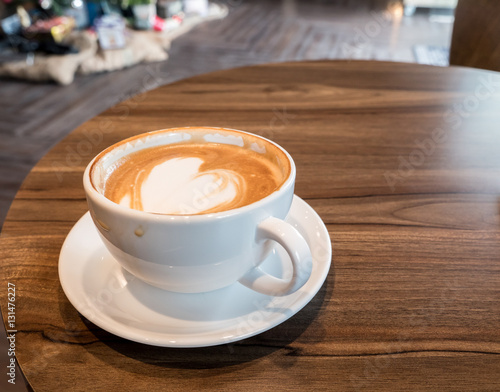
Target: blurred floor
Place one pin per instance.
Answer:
(34, 117)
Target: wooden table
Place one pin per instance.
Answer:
(401, 162)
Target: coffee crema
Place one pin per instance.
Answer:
(193, 178)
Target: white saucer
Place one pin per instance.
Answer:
(121, 304)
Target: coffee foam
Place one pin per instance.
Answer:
(187, 177)
(188, 190)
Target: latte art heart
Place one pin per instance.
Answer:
(178, 187)
(191, 179)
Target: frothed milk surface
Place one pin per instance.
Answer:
(194, 178)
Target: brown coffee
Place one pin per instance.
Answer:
(194, 177)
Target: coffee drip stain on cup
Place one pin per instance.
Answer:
(192, 178)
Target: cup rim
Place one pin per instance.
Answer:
(99, 198)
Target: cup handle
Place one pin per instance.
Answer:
(297, 248)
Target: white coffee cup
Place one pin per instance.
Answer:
(205, 252)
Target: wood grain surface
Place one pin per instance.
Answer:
(400, 161)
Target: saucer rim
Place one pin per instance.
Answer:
(309, 291)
